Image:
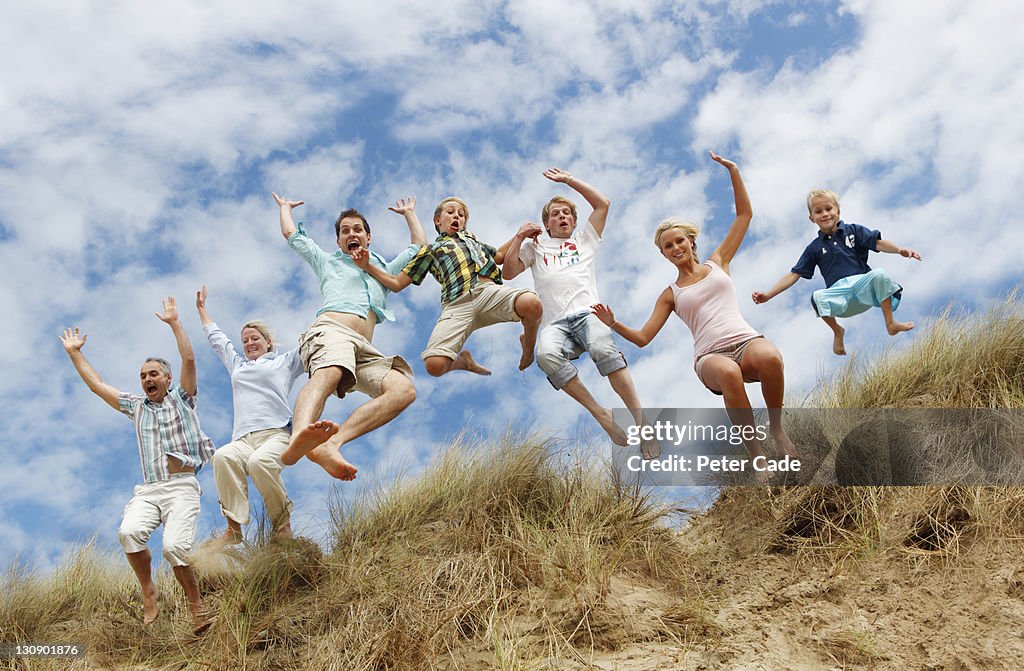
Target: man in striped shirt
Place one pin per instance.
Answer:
(172, 448)
(472, 295)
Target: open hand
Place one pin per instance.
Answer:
(282, 202)
(719, 159)
(170, 314)
(404, 206)
(909, 253)
(604, 313)
(201, 298)
(558, 175)
(72, 340)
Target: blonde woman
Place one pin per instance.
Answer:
(728, 351)
(261, 384)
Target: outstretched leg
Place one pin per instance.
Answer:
(439, 365)
(891, 325)
(397, 393)
(579, 393)
(622, 383)
(837, 335)
(307, 432)
(763, 361)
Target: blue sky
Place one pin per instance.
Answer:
(140, 144)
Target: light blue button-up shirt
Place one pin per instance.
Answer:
(259, 388)
(343, 285)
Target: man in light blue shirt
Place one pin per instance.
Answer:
(336, 350)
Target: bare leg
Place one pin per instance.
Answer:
(529, 308)
(283, 530)
(307, 433)
(140, 563)
(233, 534)
(891, 325)
(187, 579)
(726, 376)
(763, 361)
(579, 393)
(837, 335)
(439, 365)
(622, 383)
(397, 392)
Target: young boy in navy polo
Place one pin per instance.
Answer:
(841, 253)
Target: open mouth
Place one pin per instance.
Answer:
(353, 244)
(151, 388)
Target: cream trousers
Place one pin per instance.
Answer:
(256, 455)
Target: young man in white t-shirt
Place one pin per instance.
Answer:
(563, 275)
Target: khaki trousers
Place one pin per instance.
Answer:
(258, 456)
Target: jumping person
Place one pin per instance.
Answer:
(261, 387)
(728, 351)
(336, 350)
(172, 448)
(562, 264)
(840, 252)
(472, 295)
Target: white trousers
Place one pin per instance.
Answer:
(256, 455)
(173, 503)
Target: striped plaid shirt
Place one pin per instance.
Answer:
(170, 427)
(456, 261)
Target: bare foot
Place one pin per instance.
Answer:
(614, 431)
(150, 609)
(201, 621)
(285, 530)
(898, 327)
(837, 341)
(762, 477)
(230, 537)
(784, 444)
(527, 358)
(650, 449)
(308, 438)
(466, 362)
(329, 458)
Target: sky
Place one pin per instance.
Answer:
(140, 144)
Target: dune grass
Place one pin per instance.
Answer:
(506, 556)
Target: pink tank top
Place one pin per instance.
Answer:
(712, 312)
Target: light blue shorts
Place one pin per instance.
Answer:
(856, 294)
(565, 339)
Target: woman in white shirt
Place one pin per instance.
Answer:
(261, 384)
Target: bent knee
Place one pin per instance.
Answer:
(177, 554)
(264, 462)
(528, 306)
(133, 539)
(437, 365)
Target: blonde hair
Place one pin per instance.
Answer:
(688, 226)
(262, 328)
(546, 212)
(450, 199)
(822, 193)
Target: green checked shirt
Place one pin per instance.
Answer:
(457, 262)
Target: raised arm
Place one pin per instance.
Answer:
(72, 341)
(891, 247)
(724, 252)
(645, 334)
(361, 257)
(287, 223)
(513, 264)
(785, 282)
(407, 208)
(188, 357)
(597, 200)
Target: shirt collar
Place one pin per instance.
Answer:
(839, 230)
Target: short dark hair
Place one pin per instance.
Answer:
(345, 214)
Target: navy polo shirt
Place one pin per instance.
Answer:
(839, 255)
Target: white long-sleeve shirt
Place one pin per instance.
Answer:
(260, 389)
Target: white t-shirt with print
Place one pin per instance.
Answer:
(563, 271)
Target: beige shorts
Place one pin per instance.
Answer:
(175, 504)
(327, 343)
(733, 352)
(483, 305)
